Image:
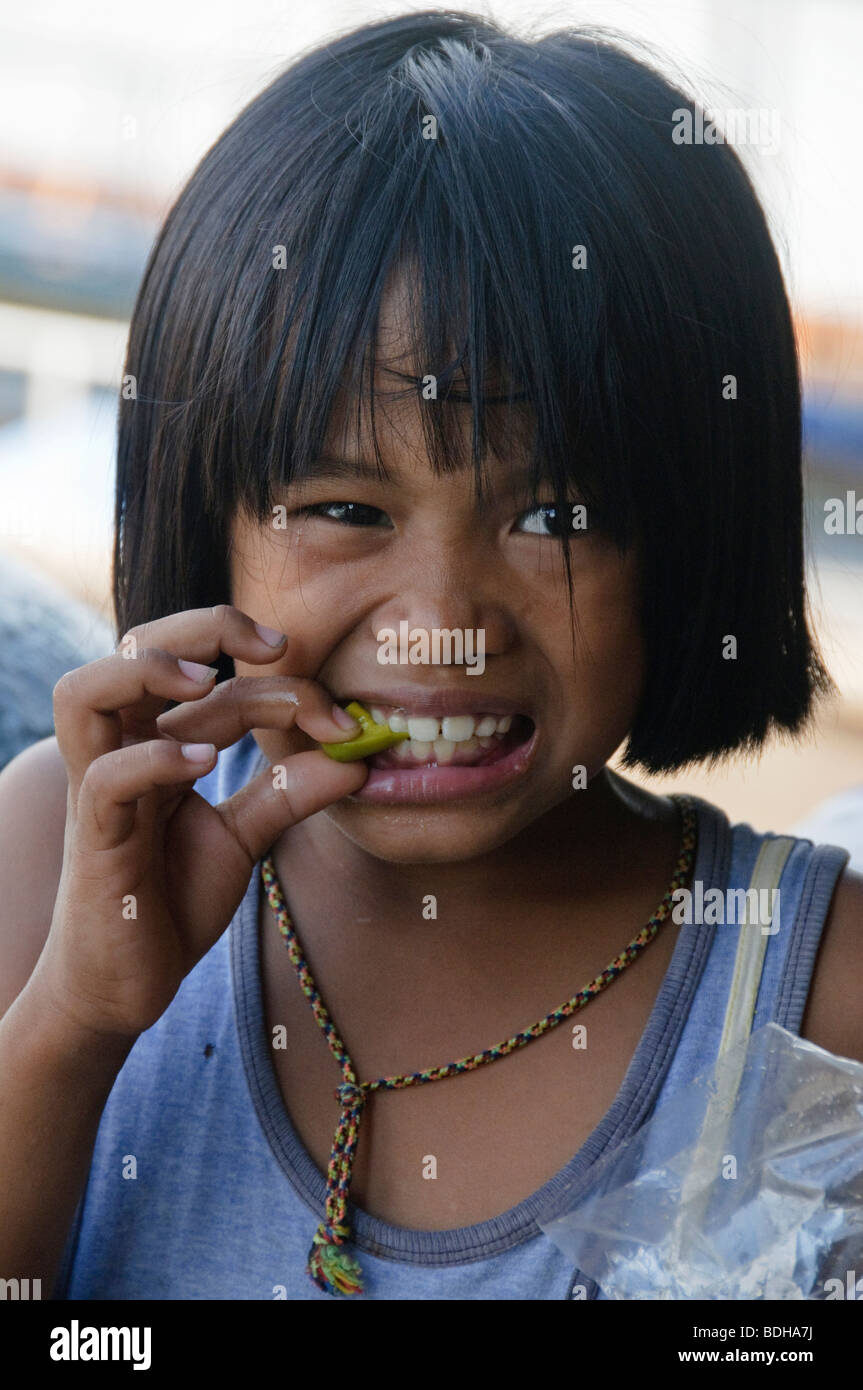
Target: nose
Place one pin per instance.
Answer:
(448, 600)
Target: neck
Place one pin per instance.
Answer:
(603, 842)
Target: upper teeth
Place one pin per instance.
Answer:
(457, 728)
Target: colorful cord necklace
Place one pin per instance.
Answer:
(330, 1265)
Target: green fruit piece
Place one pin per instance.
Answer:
(374, 738)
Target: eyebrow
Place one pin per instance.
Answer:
(458, 390)
(328, 466)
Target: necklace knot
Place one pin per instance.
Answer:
(350, 1095)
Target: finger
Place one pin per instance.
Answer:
(257, 702)
(88, 701)
(201, 634)
(112, 785)
(196, 634)
(273, 801)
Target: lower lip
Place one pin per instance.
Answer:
(443, 783)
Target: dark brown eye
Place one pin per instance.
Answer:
(548, 520)
(352, 513)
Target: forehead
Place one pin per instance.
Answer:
(405, 397)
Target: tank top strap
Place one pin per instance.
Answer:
(801, 905)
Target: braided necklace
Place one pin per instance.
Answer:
(330, 1265)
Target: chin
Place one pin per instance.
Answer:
(433, 834)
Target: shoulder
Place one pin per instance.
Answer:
(833, 1018)
(33, 789)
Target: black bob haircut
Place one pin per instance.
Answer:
(536, 147)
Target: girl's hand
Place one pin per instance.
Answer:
(152, 873)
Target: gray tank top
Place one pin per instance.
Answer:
(225, 1198)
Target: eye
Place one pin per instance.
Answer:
(351, 513)
(547, 520)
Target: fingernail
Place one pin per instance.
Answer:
(198, 752)
(343, 719)
(196, 671)
(270, 635)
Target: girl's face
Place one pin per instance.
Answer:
(417, 550)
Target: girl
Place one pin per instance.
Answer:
(446, 334)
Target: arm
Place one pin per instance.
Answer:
(55, 1083)
(833, 1017)
(55, 1077)
(107, 807)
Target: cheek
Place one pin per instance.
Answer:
(264, 586)
(607, 670)
(274, 583)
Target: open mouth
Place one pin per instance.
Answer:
(459, 740)
(425, 755)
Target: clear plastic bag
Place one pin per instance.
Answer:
(748, 1184)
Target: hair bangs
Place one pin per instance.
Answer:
(476, 254)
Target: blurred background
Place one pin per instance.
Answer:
(105, 110)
